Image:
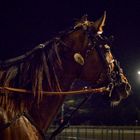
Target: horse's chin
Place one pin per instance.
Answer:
(119, 93)
(114, 103)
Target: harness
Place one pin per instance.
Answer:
(113, 76)
(26, 115)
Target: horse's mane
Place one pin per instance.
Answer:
(30, 71)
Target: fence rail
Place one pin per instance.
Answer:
(98, 133)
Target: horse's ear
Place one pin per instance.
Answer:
(100, 23)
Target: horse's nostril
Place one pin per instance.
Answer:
(128, 87)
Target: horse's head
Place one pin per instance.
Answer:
(80, 57)
(91, 61)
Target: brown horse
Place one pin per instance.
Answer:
(81, 53)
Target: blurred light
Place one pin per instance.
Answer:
(138, 76)
(138, 72)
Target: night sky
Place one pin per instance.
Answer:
(25, 24)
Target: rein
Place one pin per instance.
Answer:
(49, 93)
(67, 118)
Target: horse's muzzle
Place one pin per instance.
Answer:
(119, 92)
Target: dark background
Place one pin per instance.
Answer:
(25, 24)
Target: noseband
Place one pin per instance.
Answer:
(113, 75)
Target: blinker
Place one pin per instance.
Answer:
(79, 58)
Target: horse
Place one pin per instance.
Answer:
(80, 54)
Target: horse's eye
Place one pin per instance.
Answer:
(88, 52)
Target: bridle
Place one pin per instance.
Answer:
(114, 76)
(99, 43)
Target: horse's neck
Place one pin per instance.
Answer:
(46, 111)
(49, 106)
